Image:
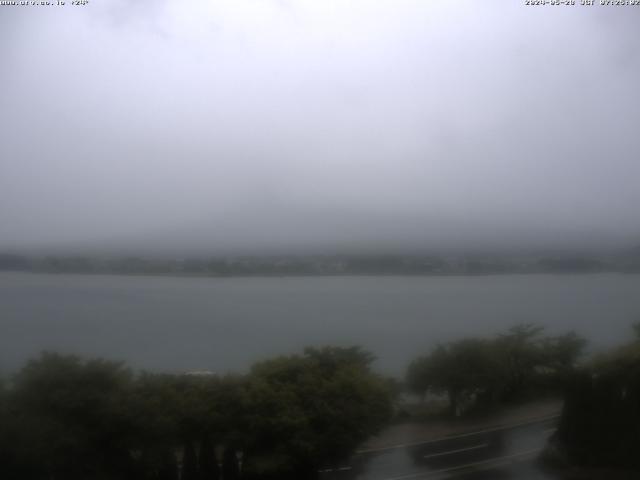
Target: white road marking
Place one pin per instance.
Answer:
(462, 435)
(490, 463)
(451, 452)
(339, 469)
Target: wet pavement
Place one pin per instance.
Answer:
(494, 453)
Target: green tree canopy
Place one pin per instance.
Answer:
(314, 409)
(478, 370)
(65, 417)
(70, 418)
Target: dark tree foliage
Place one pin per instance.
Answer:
(461, 370)
(522, 353)
(480, 372)
(600, 423)
(67, 418)
(207, 464)
(636, 330)
(189, 462)
(313, 409)
(230, 464)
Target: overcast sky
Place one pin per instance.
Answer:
(261, 124)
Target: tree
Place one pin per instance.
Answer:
(418, 378)
(478, 371)
(189, 463)
(562, 352)
(312, 409)
(521, 350)
(207, 464)
(464, 370)
(600, 422)
(636, 330)
(70, 418)
(65, 417)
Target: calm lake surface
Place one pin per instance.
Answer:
(177, 324)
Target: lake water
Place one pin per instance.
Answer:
(177, 324)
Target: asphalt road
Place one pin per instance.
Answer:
(499, 453)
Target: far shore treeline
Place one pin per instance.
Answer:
(289, 417)
(627, 261)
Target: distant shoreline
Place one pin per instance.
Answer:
(320, 275)
(325, 265)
